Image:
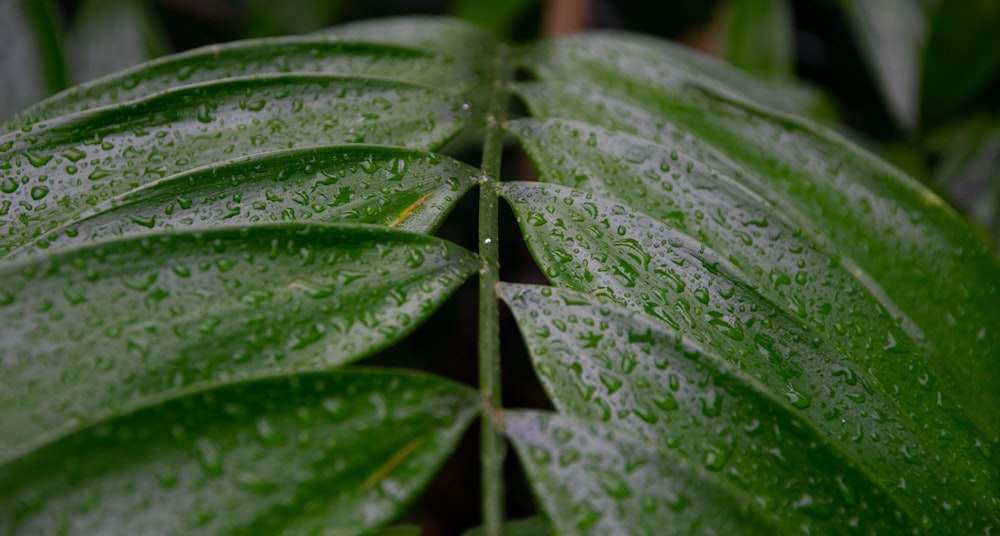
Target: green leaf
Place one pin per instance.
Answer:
(90, 331)
(339, 452)
(469, 50)
(405, 189)
(789, 266)
(759, 38)
(54, 172)
(594, 479)
(263, 17)
(605, 362)
(501, 18)
(397, 530)
(597, 59)
(529, 526)
(906, 246)
(286, 55)
(606, 249)
(958, 30)
(31, 57)
(447, 35)
(892, 35)
(968, 175)
(109, 35)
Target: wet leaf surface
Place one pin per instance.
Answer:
(606, 249)
(444, 54)
(404, 189)
(52, 173)
(936, 276)
(90, 331)
(793, 268)
(594, 479)
(338, 452)
(604, 362)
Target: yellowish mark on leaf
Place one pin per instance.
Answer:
(409, 210)
(397, 458)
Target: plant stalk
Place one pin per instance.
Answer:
(493, 448)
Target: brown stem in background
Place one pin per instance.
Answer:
(566, 16)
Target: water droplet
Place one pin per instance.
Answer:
(711, 405)
(204, 114)
(612, 383)
(8, 186)
(850, 499)
(666, 402)
(167, 477)
(266, 432)
(38, 161)
(798, 400)
(614, 485)
(209, 457)
(715, 457)
(678, 502)
(539, 455)
(98, 174)
(255, 483)
(568, 457)
(74, 155)
(39, 192)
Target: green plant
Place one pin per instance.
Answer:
(752, 325)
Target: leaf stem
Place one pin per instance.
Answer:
(493, 449)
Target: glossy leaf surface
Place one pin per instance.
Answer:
(408, 190)
(789, 266)
(343, 52)
(90, 331)
(583, 242)
(605, 362)
(595, 479)
(333, 452)
(755, 327)
(927, 268)
(623, 59)
(52, 173)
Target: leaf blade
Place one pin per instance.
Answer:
(234, 458)
(604, 248)
(119, 148)
(379, 185)
(592, 479)
(126, 319)
(605, 363)
(896, 234)
(759, 37)
(892, 36)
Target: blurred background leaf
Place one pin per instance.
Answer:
(30, 54)
(262, 18)
(892, 35)
(110, 35)
(759, 37)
